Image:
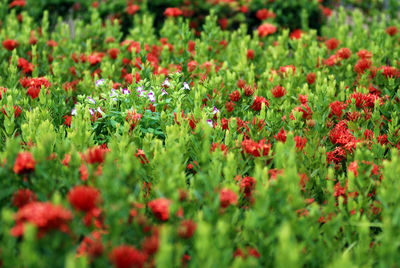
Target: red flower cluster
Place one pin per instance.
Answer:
(34, 85)
(45, 216)
(127, 257)
(256, 149)
(84, 198)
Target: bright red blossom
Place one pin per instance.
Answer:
(24, 163)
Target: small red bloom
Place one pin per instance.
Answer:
(278, 91)
(132, 9)
(95, 155)
(227, 197)
(160, 208)
(186, 229)
(83, 198)
(24, 163)
(392, 30)
(10, 44)
(332, 43)
(173, 12)
(266, 29)
(127, 257)
(257, 103)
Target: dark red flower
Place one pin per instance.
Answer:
(10, 44)
(24, 163)
(83, 198)
(257, 103)
(391, 30)
(127, 257)
(23, 197)
(113, 53)
(160, 208)
(343, 53)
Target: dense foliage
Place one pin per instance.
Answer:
(253, 138)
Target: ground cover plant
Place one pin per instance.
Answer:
(199, 134)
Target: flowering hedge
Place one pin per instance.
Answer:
(212, 147)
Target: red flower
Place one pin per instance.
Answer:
(45, 216)
(127, 257)
(266, 29)
(344, 53)
(250, 54)
(17, 3)
(94, 59)
(113, 53)
(132, 9)
(10, 44)
(278, 91)
(300, 142)
(91, 246)
(133, 118)
(257, 103)
(34, 85)
(332, 43)
(95, 155)
(256, 149)
(227, 197)
(391, 30)
(191, 66)
(264, 14)
(296, 34)
(24, 163)
(83, 198)
(173, 12)
(25, 65)
(67, 120)
(247, 185)
(141, 156)
(160, 208)
(281, 135)
(311, 78)
(186, 229)
(23, 197)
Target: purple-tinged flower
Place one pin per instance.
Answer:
(113, 94)
(91, 100)
(140, 91)
(125, 91)
(166, 83)
(99, 82)
(186, 86)
(91, 111)
(164, 92)
(151, 96)
(73, 111)
(215, 110)
(210, 122)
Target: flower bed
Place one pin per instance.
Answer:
(258, 143)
